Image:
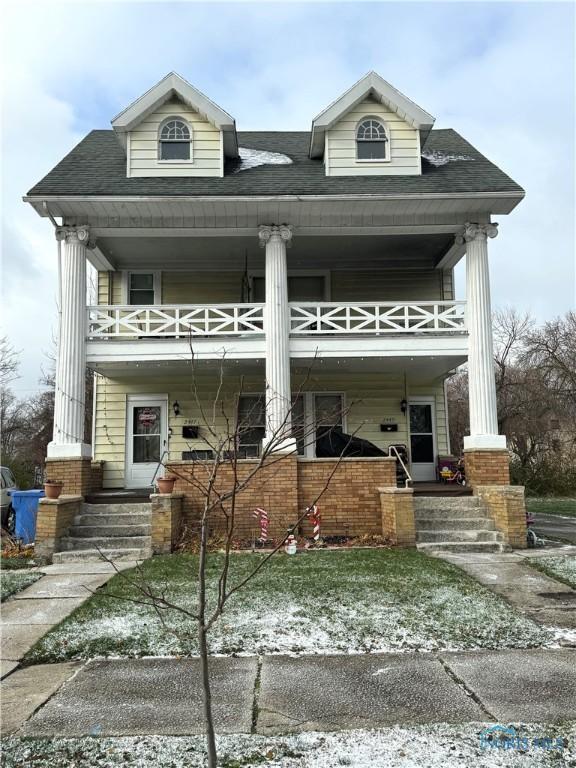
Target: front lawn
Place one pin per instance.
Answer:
(13, 582)
(552, 506)
(318, 602)
(560, 568)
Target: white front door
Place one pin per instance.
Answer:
(422, 439)
(146, 437)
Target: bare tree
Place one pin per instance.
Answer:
(218, 482)
(9, 362)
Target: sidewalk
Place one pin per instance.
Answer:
(30, 614)
(277, 694)
(544, 600)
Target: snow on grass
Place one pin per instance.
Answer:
(352, 601)
(436, 746)
(12, 582)
(562, 568)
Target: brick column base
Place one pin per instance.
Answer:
(166, 521)
(76, 475)
(487, 467)
(398, 524)
(508, 510)
(55, 516)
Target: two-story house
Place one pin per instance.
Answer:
(322, 257)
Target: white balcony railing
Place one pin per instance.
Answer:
(306, 319)
(376, 318)
(175, 321)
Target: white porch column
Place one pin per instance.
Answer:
(481, 383)
(68, 435)
(277, 327)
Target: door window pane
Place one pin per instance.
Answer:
(422, 448)
(420, 418)
(328, 410)
(146, 449)
(146, 420)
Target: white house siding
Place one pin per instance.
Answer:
(340, 150)
(372, 398)
(225, 287)
(143, 145)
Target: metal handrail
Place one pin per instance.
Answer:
(404, 467)
(160, 464)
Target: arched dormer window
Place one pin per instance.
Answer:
(174, 140)
(371, 140)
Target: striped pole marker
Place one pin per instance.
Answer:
(314, 515)
(261, 515)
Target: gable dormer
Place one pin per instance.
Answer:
(371, 130)
(175, 130)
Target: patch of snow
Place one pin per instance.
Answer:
(432, 746)
(437, 157)
(252, 158)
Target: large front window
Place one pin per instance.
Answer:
(251, 425)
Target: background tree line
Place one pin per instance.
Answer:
(535, 370)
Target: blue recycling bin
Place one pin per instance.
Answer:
(25, 504)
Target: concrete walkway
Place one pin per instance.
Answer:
(276, 694)
(29, 614)
(544, 600)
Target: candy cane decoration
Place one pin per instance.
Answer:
(262, 515)
(314, 515)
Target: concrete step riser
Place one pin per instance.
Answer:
(115, 509)
(455, 524)
(92, 555)
(109, 531)
(463, 546)
(107, 542)
(458, 536)
(443, 502)
(138, 518)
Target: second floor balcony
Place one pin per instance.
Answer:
(122, 333)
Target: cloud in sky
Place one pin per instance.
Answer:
(502, 74)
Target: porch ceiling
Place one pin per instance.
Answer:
(346, 252)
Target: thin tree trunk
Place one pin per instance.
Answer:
(203, 645)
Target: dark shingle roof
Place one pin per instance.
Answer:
(97, 166)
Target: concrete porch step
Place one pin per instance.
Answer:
(463, 546)
(114, 519)
(117, 509)
(93, 555)
(106, 542)
(458, 536)
(455, 523)
(83, 531)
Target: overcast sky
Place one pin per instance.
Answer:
(501, 74)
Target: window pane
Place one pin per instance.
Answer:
(258, 290)
(422, 448)
(251, 411)
(175, 150)
(141, 297)
(328, 410)
(306, 288)
(420, 418)
(371, 150)
(146, 449)
(146, 420)
(142, 281)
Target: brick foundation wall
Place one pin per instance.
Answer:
(351, 504)
(166, 521)
(55, 516)
(487, 467)
(397, 515)
(285, 487)
(508, 510)
(77, 475)
(96, 476)
(273, 487)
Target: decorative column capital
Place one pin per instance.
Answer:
(269, 232)
(74, 234)
(479, 231)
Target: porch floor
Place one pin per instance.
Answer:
(441, 489)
